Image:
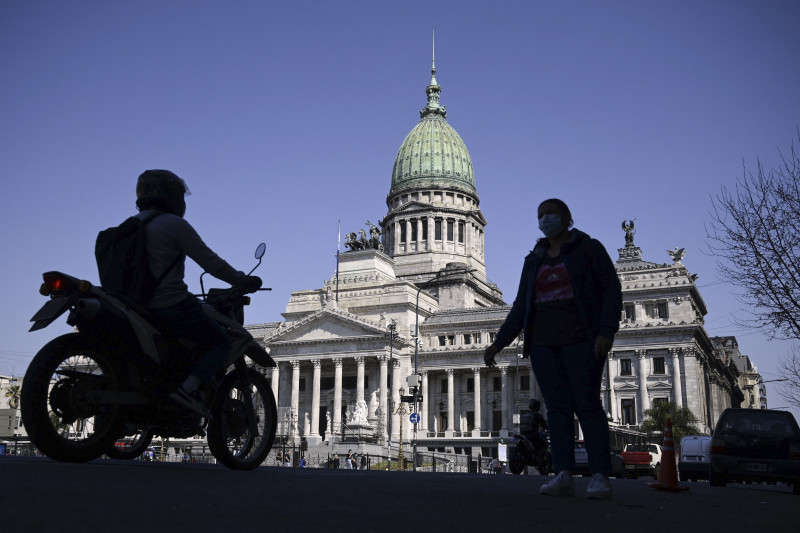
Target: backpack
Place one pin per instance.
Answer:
(121, 255)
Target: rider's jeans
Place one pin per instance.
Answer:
(569, 377)
(188, 320)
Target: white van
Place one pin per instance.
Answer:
(694, 457)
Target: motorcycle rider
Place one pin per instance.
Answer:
(532, 425)
(170, 239)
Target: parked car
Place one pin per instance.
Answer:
(694, 457)
(642, 460)
(582, 462)
(755, 445)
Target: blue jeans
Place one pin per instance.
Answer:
(188, 320)
(569, 377)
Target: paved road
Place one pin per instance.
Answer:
(42, 495)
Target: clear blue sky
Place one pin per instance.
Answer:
(285, 117)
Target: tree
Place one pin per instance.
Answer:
(755, 234)
(12, 393)
(683, 420)
(789, 370)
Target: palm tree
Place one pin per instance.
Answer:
(683, 420)
(13, 393)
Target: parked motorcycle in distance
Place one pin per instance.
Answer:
(104, 388)
(527, 455)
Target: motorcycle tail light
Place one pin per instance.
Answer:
(57, 284)
(718, 446)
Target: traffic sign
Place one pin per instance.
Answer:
(414, 418)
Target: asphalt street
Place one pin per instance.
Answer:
(43, 495)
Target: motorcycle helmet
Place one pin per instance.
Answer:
(161, 189)
(534, 405)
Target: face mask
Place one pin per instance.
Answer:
(550, 225)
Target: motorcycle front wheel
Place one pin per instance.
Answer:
(242, 430)
(61, 406)
(132, 444)
(517, 463)
(545, 464)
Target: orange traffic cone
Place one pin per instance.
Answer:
(668, 474)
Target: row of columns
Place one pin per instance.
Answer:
(644, 399)
(472, 233)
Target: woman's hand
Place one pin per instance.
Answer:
(488, 355)
(602, 345)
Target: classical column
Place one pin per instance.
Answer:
(295, 415)
(478, 400)
(360, 380)
(336, 421)
(451, 406)
(612, 395)
(384, 399)
(418, 223)
(504, 399)
(425, 404)
(396, 237)
(276, 376)
(431, 233)
(315, 397)
(676, 376)
(645, 404)
(395, 399)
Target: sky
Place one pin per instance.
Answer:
(285, 119)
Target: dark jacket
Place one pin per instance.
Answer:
(598, 292)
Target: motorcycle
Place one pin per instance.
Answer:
(527, 455)
(104, 388)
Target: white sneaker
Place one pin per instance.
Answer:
(561, 485)
(600, 488)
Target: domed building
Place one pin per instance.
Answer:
(402, 325)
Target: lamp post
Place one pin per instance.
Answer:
(438, 277)
(401, 411)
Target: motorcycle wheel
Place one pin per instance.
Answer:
(546, 464)
(517, 464)
(132, 444)
(62, 418)
(242, 430)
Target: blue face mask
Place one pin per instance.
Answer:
(550, 225)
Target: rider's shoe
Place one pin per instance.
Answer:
(561, 485)
(600, 488)
(191, 401)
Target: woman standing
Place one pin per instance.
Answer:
(568, 305)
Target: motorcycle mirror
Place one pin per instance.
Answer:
(262, 248)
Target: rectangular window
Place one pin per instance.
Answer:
(630, 313)
(413, 230)
(442, 340)
(437, 229)
(461, 232)
(524, 383)
(402, 231)
(497, 383)
(625, 367)
(629, 411)
(467, 339)
(444, 386)
(424, 229)
(477, 337)
(451, 340)
(492, 337)
(656, 310)
(449, 230)
(470, 420)
(659, 401)
(659, 365)
(302, 384)
(326, 383)
(470, 384)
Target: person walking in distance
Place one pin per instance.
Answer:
(568, 305)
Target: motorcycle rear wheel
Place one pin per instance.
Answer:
(131, 444)
(517, 464)
(61, 416)
(545, 464)
(241, 433)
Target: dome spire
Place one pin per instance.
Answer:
(433, 90)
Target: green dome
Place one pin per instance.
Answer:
(433, 154)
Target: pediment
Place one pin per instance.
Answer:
(626, 386)
(660, 384)
(325, 325)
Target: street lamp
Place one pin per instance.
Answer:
(438, 277)
(392, 334)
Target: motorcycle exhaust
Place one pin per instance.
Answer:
(88, 307)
